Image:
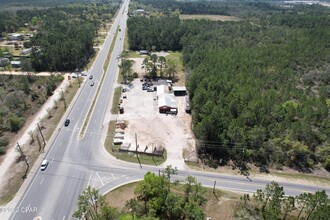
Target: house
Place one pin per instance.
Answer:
(167, 104)
(179, 90)
(140, 12)
(15, 64)
(4, 62)
(14, 36)
(144, 52)
(26, 51)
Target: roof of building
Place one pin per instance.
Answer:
(167, 100)
(179, 88)
(15, 62)
(144, 51)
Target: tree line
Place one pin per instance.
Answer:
(259, 87)
(271, 203)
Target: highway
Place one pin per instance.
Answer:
(75, 163)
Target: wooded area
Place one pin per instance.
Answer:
(259, 87)
(20, 97)
(64, 35)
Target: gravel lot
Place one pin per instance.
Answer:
(153, 129)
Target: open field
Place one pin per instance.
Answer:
(210, 17)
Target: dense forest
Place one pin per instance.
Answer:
(64, 35)
(259, 87)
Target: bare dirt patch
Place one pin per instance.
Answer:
(211, 17)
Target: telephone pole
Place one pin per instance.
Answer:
(43, 139)
(23, 155)
(137, 155)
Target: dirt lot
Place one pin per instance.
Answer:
(154, 129)
(211, 17)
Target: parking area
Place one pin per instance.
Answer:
(173, 132)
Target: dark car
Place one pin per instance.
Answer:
(67, 122)
(91, 77)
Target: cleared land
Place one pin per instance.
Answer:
(210, 17)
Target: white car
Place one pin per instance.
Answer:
(44, 165)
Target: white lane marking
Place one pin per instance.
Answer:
(99, 178)
(41, 181)
(52, 160)
(113, 176)
(90, 177)
(63, 217)
(61, 143)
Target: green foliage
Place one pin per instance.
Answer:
(126, 70)
(162, 33)
(271, 203)
(92, 205)
(15, 122)
(64, 35)
(258, 86)
(154, 198)
(19, 96)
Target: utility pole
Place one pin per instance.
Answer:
(137, 146)
(78, 80)
(23, 155)
(63, 98)
(214, 186)
(43, 139)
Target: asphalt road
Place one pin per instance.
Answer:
(76, 163)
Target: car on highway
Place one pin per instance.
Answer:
(92, 83)
(44, 165)
(67, 122)
(91, 77)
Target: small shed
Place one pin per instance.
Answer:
(119, 130)
(179, 90)
(26, 51)
(119, 136)
(144, 52)
(15, 64)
